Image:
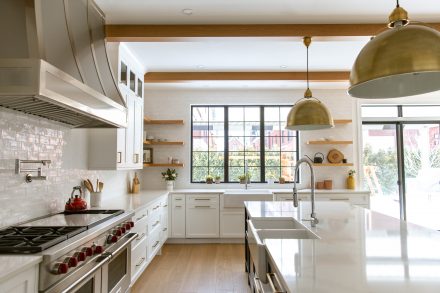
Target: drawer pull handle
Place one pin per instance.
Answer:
(155, 208)
(140, 237)
(276, 288)
(339, 199)
(177, 199)
(141, 217)
(202, 199)
(155, 244)
(202, 207)
(165, 206)
(140, 263)
(258, 286)
(119, 157)
(164, 229)
(178, 206)
(155, 224)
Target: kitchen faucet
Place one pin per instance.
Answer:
(313, 219)
(246, 175)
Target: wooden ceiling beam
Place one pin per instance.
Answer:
(168, 77)
(176, 33)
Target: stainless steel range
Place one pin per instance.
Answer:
(88, 251)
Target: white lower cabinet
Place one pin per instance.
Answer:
(138, 258)
(178, 203)
(24, 282)
(232, 223)
(202, 216)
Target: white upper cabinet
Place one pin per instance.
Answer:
(121, 149)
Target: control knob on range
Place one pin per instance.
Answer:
(60, 268)
(122, 228)
(131, 224)
(117, 232)
(88, 251)
(98, 249)
(127, 226)
(112, 239)
(71, 261)
(80, 256)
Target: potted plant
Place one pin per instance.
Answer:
(209, 179)
(217, 179)
(170, 175)
(282, 180)
(351, 182)
(245, 177)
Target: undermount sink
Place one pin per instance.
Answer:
(276, 223)
(286, 234)
(247, 191)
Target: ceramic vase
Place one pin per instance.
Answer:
(351, 183)
(170, 185)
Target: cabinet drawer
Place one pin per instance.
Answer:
(154, 244)
(142, 235)
(138, 257)
(203, 199)
(154, 209)
(178, 199)
(140, 215)
(153, 223)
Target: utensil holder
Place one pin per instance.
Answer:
(95, 199)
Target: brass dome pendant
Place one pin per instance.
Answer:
(309, 113)
(402, 61)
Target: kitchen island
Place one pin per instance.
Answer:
(358, 250)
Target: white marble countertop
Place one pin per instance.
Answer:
(133, 201)
(13, 264)
(273, 190)
(359, 251)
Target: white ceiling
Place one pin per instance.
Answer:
(262, 11)
(248, 55)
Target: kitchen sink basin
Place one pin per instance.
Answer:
(286, 234)
(247, 191)
(276, 223)
(235, 198)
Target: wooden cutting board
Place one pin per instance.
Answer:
(334, 156)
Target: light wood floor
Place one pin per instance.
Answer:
(195, 268)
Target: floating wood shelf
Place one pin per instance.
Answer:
(342, 121)
(148, 142)
(333, 165)
(162, 165)
(330, 142)
(149, 121)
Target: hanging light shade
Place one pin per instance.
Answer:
(309, 113)
(401, 61)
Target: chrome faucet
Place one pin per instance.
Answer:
(313, 219)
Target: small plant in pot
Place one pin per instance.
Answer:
(244, 177)
(218, 179)
(209, 179)
(282, 180)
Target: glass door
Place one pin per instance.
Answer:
(380, 161)
(421, 153)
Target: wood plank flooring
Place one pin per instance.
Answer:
(195, 268)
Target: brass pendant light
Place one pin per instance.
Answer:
(401, 61)
(309, 113)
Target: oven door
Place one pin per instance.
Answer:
(87, 279)
(116, 274)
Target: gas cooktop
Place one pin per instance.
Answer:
(39, 234)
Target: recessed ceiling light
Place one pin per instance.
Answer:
(187, 11)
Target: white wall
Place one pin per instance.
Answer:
(27, 137)
(175, 104)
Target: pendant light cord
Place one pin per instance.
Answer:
(397, 3)
(307, 67)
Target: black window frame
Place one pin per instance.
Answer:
(262, 137)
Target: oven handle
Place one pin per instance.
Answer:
(121, 245)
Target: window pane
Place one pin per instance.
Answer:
(271, 114)
(288, 159)
(272, 159)
(288, 173)
(254, 173)
(216, 114)
(216, 144)
(236, 114)
(252, 114)
(236, 143)
(288, 143)
(236, 159)
(217, 129)
(252, 129)
(199, 173)
(272, 129)
(284, 112)
(236, 129)
(252, 143)
(420, 111)
(201, 129)
(200, 143)
(216, 171)
(272, 173)
(216, 159)
(200, 114)
(379, 111)
(253, 159)
(234, 172)
(272, 143)
(200, 159)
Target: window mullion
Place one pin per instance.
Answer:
(262, 154)
(226, 149)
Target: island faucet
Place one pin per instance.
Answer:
(313, 219)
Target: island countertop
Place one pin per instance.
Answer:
(359, 250)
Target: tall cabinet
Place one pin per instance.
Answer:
(121, 149)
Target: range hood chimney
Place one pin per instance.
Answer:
(54, 63)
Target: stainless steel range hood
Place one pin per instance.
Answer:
(54, 63)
